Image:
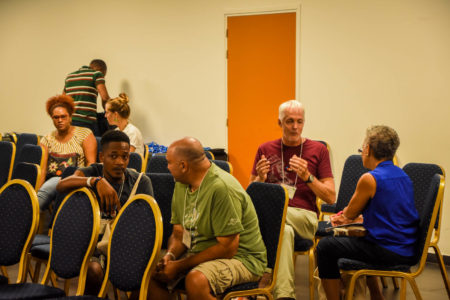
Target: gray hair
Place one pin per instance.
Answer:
(289, 104)
(383, 141)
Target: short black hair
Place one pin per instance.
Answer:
(114, 136)
(100, 64)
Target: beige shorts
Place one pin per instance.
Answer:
(224, 273)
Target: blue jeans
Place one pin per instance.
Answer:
(47, 192)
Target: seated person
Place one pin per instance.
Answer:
(117, 112)
(385, 198)
(216, 240)
(66, 146)
(303, 167)
(112, 183)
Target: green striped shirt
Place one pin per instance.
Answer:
(81, 85)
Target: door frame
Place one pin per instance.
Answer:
(263, 11)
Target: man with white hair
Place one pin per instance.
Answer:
(303, 167)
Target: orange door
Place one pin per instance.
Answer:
(261, 75)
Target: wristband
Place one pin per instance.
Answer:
(96, 180)
(88, 182)
(171, 254)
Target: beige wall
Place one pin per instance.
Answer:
(360, 63)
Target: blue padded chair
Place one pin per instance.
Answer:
(163, 186)
(209, 155)
(224, 165)
(7, 156)
(32, 154)
(428, 216)
(72, 242)
(421, 175)
(271, 202)
(28, 172)
(25, 139)
(19, 220)
(135, 162)
(157, 164)
(133, 248)
(44, 239)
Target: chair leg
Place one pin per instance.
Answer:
(414, 287)
(403, 289)
(67, 286)
(442, 267)
(350, 289)
(37, 270)
(311, 273)
(53, 279)
(383, 282)
(395, 283)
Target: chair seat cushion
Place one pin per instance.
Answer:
(301, 244)
(41, 251)
(40, 239)
(328, 208)
(351, 264)
(29, 291)
(321, 229)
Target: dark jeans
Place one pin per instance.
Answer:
(330, 249)
(92, 126)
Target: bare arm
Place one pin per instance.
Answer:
(324, 189)
(109, 201)
(90, 149)
(365, 190)
(132, 149)
(101, 88)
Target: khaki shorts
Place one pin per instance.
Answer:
(225, 273)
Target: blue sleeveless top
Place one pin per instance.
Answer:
(390, 217)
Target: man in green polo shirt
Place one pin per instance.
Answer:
(83, 86)
(216, 240)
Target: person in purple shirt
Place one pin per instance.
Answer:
(385, 198)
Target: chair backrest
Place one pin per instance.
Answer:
(74, 236)
(7, 156)
(28, 172)
(32, 154)
(428, 215)
(353, 170)
(134, 245)
(224, 165)
(421, 175)
(163, 186)
(19, 220)
(26, 139)
(135, 162)
(157, 164)
(270, 201)
(209, 155)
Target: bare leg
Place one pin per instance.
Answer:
(94, 279)
(332, 288)
(157, 291)
(375, 292)
(197, 287)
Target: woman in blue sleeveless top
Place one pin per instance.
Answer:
(385, 198)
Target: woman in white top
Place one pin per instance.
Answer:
(117, 112)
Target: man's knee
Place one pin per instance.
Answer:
(289, 232)
(95, 271)
(196, 282)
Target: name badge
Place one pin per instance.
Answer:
(291, 190)
(187, 238)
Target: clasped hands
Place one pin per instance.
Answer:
(296, 164)
(166, 269)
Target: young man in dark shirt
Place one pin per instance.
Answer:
(112, 183)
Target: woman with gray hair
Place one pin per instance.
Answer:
(385, 198)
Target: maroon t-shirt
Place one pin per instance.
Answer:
(318, 158)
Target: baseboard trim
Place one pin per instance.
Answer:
(431, 257)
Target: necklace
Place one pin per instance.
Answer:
(282, 161)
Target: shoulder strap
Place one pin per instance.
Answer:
(133, 192)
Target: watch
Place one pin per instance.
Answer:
(310, 179)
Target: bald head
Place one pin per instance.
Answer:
(188, 149)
